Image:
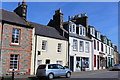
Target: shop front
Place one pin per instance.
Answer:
(82, 63)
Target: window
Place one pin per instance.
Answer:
(39, 62)
(80, 30)
(70, 28)
(109, 50)
(83, 31)
(73, 28)
(92, 31)
(94, 44)
(75, 45)
(39, 52)
(87, 47)
(106, 49)
(59, 47)
(14, 61)
(98, 35)
(81, 46)
(44, 45)
(59, 62)
(15, 36)
(98, 45)
(102, 47)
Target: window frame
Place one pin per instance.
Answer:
(19, 37)
(59, 50)
(18, 58)
(44, 45)
(75, 46)
(87, 46)
(81, 49)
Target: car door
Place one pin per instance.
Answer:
(62, 70)
(53, 69)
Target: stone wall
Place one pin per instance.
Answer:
(23, 49)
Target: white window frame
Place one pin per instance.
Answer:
(16, 36)
(87, 47)
(44, 45)
(14, 60)
(70, 28)
(81, 46)
(73, 28)
(82, 31)
(59, 47)
(75, 45)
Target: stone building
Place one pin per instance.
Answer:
(15, 41)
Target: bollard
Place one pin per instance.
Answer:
(13, 74)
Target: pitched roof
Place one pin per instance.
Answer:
(47, 31)
(11, 17)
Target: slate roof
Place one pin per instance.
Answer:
(47, 31)
(79, 37)
(11, 17)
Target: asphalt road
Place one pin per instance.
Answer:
(94, 75)
(88, 75)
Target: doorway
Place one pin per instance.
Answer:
(47, 61)
(71, 63)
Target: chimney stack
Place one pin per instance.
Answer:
(21, 10)
(81, 19)
(58, 18)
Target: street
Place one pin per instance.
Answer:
(88, 75)
(94, 75)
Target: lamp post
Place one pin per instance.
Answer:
(13, 74)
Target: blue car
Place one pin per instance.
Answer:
(52, 70)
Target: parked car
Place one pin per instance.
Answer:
(116, 67)
(52, 70)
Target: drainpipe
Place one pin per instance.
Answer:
(68, 43)
(35, 53)
(92, 56)
(1, 48)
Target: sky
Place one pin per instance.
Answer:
(102, 15)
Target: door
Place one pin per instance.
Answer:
(71, 63)
(47, 61)
(98, 62)
(62, 70)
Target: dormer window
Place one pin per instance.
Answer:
(82, 31)
(92, 31)
(98, 35)
(72, 28)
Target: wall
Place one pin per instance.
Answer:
(80, 54)
(51, 52)
(24, 49)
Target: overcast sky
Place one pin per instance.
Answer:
(102, 15)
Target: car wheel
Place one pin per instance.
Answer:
(68, 74)
(50, 76)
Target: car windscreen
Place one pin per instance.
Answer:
(42, 67)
